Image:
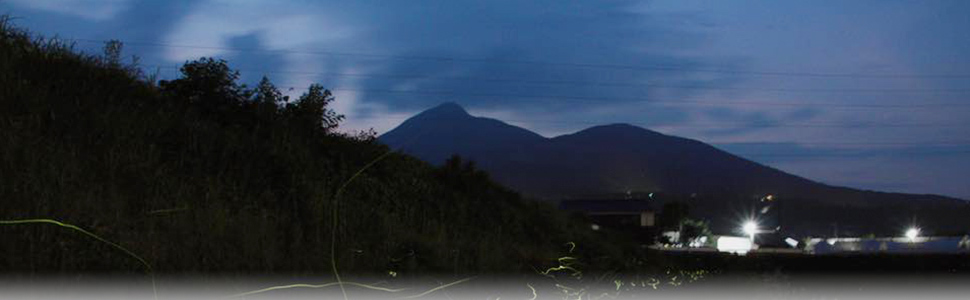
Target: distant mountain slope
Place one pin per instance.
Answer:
(622, 156)
(604, 159)
(439, 132)
(619, 158)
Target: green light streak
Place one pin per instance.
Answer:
(317, 286)
(145, 263)
(168, 210)
(561, 268)
(437, 288)
(534, 295)
(343, 283)
(565, 264)
(333, 232)
(674, 282)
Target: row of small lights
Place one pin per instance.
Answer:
(750, 228)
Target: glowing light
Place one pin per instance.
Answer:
(912, 233)
(750, 228)
(698, 242)
(791, 242)
(731, 244)
(534, 295)
(572, 246)
(594, 227)
(565, 264)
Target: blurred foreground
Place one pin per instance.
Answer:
(688, 276)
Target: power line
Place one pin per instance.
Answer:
(543, 63)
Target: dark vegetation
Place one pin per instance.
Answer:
(204, 175)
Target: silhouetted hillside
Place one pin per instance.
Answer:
(203, 174)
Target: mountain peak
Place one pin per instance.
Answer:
(451, 125)
(617, 128)
(447, 109)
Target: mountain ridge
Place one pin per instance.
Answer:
(619, 158)
(482, 139)
(475, 137)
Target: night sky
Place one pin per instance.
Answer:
(868, 94)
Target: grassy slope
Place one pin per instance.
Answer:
(91, 143)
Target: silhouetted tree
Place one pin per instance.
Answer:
(312, 109)
(111, 58)
(691, 229)
(267, 99)
(112, 53)
(368, 136)
(266, 92)
(209, 84)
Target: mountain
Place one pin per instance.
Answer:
(621, 158)
(447, 129)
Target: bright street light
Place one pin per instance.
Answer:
(912, 233)
(750, 228)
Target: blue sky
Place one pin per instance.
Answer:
(869, 94)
